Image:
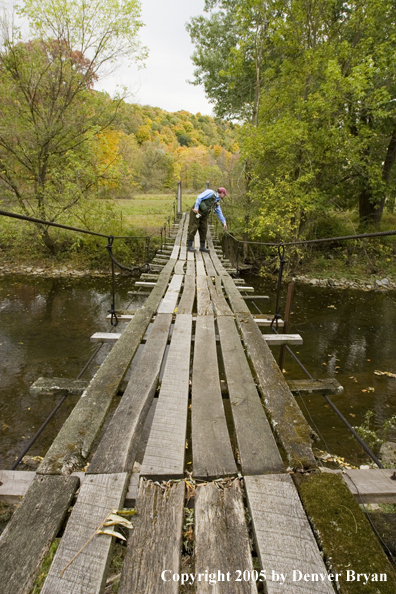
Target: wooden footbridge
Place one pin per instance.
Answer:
(206, 444)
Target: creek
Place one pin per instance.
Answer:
(46, 324)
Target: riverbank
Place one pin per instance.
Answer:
(369, 284)
(52, 269)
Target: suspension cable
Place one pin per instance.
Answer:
(320, 240)
(53, 412)
(15, 215)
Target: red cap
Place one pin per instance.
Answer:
(223, 190)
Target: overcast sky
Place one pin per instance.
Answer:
(162, 83)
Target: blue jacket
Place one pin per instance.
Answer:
(207, 194)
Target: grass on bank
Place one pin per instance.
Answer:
(149, 211)
(142, 215)
(145, 214)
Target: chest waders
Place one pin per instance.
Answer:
(199, 222)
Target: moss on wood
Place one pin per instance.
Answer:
(345, 535)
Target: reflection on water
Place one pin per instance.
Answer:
(45, 329)
(46, 324)
(348, 334)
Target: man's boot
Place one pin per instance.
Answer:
(203, 248)
(190, 247)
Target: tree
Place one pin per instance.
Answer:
(314, 81)
(50, 112)
(231, 44)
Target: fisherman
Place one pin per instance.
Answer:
(204, 204)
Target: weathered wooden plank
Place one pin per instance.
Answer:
(53, 385)
(175, 252)
(322, 386)
(245, 289)
(285, 416)
(221, 539)
(183, 243)
(251, 297)
(204, 305)
(212, 453)
(15, 484)
(278, 339)
(372, 485)
(284, 538)
(138, 293)
(117, 449)
(107, 337)
(145, 283)
(190, 258)
(162, 256)
(165, 450)
(221, 308)
(214, 257)
(265, 321)
(176, 245)
(256, 444)
(210, 269)
(121, 317)
(187, 299)
(219, 303)
(171, 296)
(238, 305)
(31, 530)
(155, 543)
(179, 267)
(196, 244)
(190, 266)
(99, 495)
(219, 286)
(200, 267)
(149, 276)
(73, 444)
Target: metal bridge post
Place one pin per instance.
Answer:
(179, 200)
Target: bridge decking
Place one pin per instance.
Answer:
(233, 456)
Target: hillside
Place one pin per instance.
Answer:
(150, 149)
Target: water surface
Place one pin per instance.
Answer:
(46, 324)
(348, 334)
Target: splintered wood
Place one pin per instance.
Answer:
(222, 546)
(77, 562)
(155, 543)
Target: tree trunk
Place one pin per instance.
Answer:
(49, 242)
(369, 209)
(368, 213)
(387, 168)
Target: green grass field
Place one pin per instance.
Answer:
(150, 211)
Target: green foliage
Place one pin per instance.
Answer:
(45, 567)
(375, 437)
(51, 117)
(322, 137)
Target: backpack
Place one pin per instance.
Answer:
(207, 205)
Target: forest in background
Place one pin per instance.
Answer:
(153, 149)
